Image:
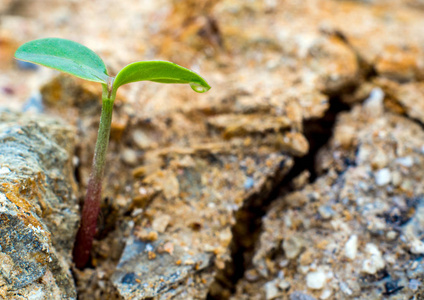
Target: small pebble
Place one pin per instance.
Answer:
(326, 212)
(351, 247)
(383, 177)
(325, 294)
(271, 290)
(391, 235)
(129, 156)
(284, 285)
(252, 275)
(416, 246)
(292, 246)
(375, 262)
(249, 183)
(4, 170)
(315, 280)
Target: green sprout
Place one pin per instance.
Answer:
(76, 59)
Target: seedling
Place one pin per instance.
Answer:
(76, 59)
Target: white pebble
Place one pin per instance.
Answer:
(416, 246)
(391, 235)
(271, 290)
(383, 177)
(375, 261)
(284, 285)
(315, 280)
(4, 170)
(351, 247)
(129, 156)
(325, 294)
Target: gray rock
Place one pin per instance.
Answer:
(146, 271)
(38, 212)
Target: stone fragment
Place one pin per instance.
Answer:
(292, 246)
(284, 285)
(129, 157)
(326, 212)
(139, 277)
(375, 261)
(38, 211)
(326, 294)
(271, 290)
(316, 280)
(351, 247)
(417, 246)
(383, 177)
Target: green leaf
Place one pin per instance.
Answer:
(66, 56)
(160, 71)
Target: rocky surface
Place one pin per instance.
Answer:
(356, 232)
(38, 212)
(187, 227)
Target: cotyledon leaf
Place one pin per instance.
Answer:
(160, 71)
(66, 56)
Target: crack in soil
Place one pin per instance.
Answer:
(248, 226)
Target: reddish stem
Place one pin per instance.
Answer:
(87, 230)
(91, 209)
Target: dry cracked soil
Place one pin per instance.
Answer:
(298, 176)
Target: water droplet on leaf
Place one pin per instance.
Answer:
(199, 88)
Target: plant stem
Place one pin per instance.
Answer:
(91, 208)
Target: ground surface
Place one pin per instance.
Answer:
(297, 175)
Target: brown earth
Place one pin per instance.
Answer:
(190, 176)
